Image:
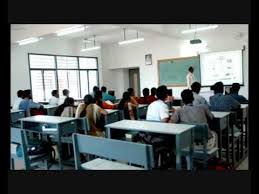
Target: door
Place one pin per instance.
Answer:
(134, 80)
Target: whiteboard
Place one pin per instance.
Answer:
(221, 66)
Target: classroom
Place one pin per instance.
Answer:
(129, 97)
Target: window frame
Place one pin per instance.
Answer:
(67, 69)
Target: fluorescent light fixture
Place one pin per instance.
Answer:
(199, 29)
(130, 41)
(74, 29)
(90, 48)
(28, 41)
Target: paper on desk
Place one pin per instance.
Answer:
(49, 129)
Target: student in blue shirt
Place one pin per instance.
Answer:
(220, 102)
(26, 104)
(107, 96)
(234, 93)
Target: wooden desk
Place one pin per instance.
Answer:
(245, 134)
(50, 109)
(16, 115)
(183, 133)
(64, 126)
(112, 116)
(141, 111)
(220, 123)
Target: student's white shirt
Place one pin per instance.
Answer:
(190, 78)
(54, 101)
(198, 99)
(157, 111)
(61, 100)
(17, 103)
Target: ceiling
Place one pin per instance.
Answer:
(109, 33)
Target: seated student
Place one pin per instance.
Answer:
(158, 110)
(220, 102)
(103, 104)
(144, 99)
(133, 98)
(26, 104)
(127, 107)
(195, 114)
(107, 96)
(93, 112)
(66, 109)
(65, 95)
(54, 100)
(152, 97)
(95, 89)
(18, 100)
(234, 93)
(196, 88)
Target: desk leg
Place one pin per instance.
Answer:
(178, 153)
(242, 137)
(59, 145)
(190, 158)
(108, 133)
(220, 143)
(227, 146)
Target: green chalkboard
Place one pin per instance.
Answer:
(172, 72)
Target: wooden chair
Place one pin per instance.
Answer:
(201, 134)
(133, 153)
(18, 138)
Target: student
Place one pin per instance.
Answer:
(220, 102)
(18, 100)
(103, 104)
(196, 88)
(127, 107)
(158, 110)
(152, 97)
(133, 98)
(195, 114)
(94, 114)
(144, 99)
(26, 104)
(234, 93)
(54, 100)
(95, 89)
(107, 96)
(65, 95)
(190, 78)
(66, 109)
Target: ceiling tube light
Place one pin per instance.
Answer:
(74, 29)
(91, 48)
(199, 29)
(28, 41)
(131, 40)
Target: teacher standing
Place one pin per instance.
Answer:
(190, 78)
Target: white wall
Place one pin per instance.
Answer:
(133, 55)
(20, 78)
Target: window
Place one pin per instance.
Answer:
(48, 72)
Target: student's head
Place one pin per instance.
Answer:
(65, 92)
(27, 94)
(69, 101)
(20, 93)
(162, 92)
(104, 89)
(191, 69)
(153, 91)
(145, 92)
(126, 96)
(131, 91)
(235, 88)
(95, 89)
(218, 87)
(88, 99)
(187, 96)
(196, 87)
(55, 93)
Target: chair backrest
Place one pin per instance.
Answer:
(18, 138)
(139, 154)
(83, 124)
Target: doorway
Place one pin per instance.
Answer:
(134, 80)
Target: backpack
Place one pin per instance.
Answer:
(217, 164)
